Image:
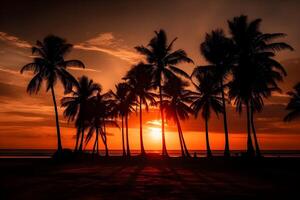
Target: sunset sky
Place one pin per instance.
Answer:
(104, 34)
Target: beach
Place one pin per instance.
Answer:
(152, 178)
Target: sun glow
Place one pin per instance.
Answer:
(155, 133)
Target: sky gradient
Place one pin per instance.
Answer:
(104, 34)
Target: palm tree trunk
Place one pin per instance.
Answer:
(181, 135)
(226, 150)
(164, 148)
(77, 139)
(94, 146)
(183, 142)
(59, 146)
(258, 154)
(180, 139)
(81, 141)
(123, 142)
(143, 153)
(250, 149)
(97, 139)
(105, 143)
(127, 139)
(208, 150)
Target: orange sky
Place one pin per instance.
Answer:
(104, 34)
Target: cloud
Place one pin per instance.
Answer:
(13, 40)
(107, 43)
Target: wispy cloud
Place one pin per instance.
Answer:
(13, 40)
(82, 69)
(109, 44)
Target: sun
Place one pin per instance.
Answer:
(155, 133)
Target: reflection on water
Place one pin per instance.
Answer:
(47, 153)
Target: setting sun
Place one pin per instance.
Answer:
(155, 133)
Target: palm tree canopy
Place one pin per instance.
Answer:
(207, 96)
(123, 99)
(49, 64)
(177, 99)
(256, 71)
(140, 81)
(294, 104)
(218, 50)
(163, 60)
(83, 90)
(99, 111)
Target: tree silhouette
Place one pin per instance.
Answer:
(100, 114)
(176, 105)
(163, 61)
(207, 97)
(49, 65)
(294, 105)
(256, 72)
(141, 83)
(219, 52)
(77, 104)
(124, 101)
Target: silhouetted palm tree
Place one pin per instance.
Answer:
(99, 110)
(294, 104)
(124, 101)
(141, 83)
(163, 61)
(257, 72)
(219, 52)
(76, 105)
(176, 105)
(207, 97)
(49, 65)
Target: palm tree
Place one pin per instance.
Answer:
(176, 105)
(256, 72)
(49, 65)
(207, 97)
(76, 105)
(294, 104)
(99, 115)
(163, 61)
(124, 102)
(218, 51)
(139, 80)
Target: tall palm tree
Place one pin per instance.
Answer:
(176, 105)
(207, 98)
(49, 65)
(76, 106)
(141, 83)
(124, 102)
(218, 51)
(294, 104)
(163, 61)
(256, 72)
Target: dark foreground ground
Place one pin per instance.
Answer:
(115, 178)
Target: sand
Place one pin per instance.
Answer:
(116, 178)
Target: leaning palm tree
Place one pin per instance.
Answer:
(163, 61)
(141, 83)
(76, 106)
(124, 102)
(219, 52)
(49, 65)
(256, 72)
(294, 104)
(206, 98)
(176, 105)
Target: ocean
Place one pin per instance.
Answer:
(47, 153)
